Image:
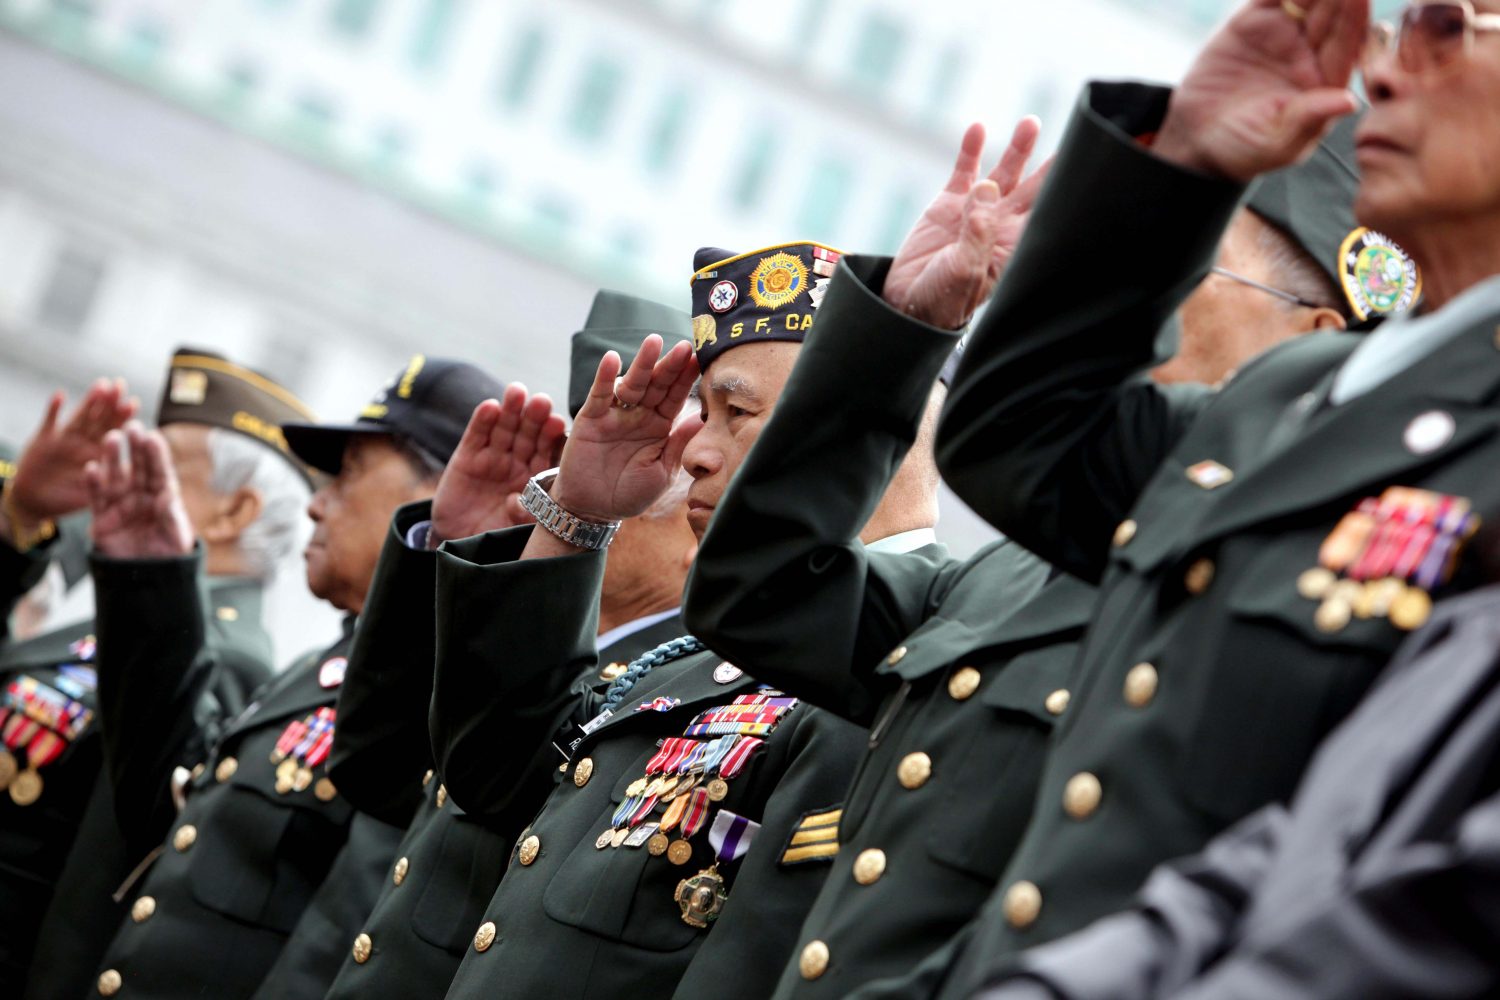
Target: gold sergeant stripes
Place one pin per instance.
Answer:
(814, 838)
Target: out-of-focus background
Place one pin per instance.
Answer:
(320, 188)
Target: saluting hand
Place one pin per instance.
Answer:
(626, 444)
(506, 443)
(133, 492)
(49, 480)
(1266, 88)
(958, 249)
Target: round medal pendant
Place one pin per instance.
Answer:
(604, 839)
(717, 790)
(680, 852)
(9, 767)
(1314, 584)
(636, 787)
(657, 845)
(701, 898)
(618, 837)
(668, 787)
(1333, 615)
(286, 769)
(302, 780)
(1410, 611)
(26, 788)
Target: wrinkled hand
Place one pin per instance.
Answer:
(1266, 88)
(49, 479)
(954, 256)
(136, 503)
(506, 443)
(620, 458)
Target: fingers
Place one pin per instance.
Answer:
(54, 409)
(602, 393)
(677, 394)
(1308, 115)
(549, 443)
(534, 417)
(158, 475)
(1024, 196)
(664, 378)
(966, 166)
(481, 423)
(114, 465)
(632, 388)
(1012, 166)
(1348, 33)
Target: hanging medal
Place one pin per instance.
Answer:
(702, 897)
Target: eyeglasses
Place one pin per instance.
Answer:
(1252, 283)
(1430, 35)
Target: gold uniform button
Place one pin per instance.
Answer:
(869, 866)
(442, 795)
(226, 769)
(398, 875)
(613, 671)
(914, 770)
(1140, 685)
(814, 960)
(228, 614)
(110, 983)
(485, 936)
(363, 946)
(583, 772)
(325, 790)
(530, 848)
(1198, 576)
(963, 683)
(897, 655)
(1081, 795)
(185, 837)
(1125, 532)
(198, 770)
(1057, 701)
(427, 778)
(1023, 904)
(141, 911)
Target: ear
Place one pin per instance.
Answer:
(1326, 319)
(232, 515)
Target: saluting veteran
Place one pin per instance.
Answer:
(1263, 550)
(262, 822)
(450, 861)
(244, 493)
(661, 862)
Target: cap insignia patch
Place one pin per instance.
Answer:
(189, 388)
(778, 280)
(1378, 278)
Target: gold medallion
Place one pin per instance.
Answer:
(283, 785)
(286, 769)
(1333, 615)
(657, 845)
(635, 788)
(26, 787)
(9, 767)
(618, 837)
(668, 787)
(302, 780)
(325, 790)
(680, 852)
(1411, 610)
(717, 790)
(1315, 583)
(1363, 605)
(701, 897)
(655, 787)
(604, 839)
(1383, 594)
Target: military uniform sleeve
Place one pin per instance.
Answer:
(512, 635)
(154, 670)
(381, 745)
(1049, 432)
(758, 929)
(317, 946)
(782, 586)
(1423, 924)
(19, 572)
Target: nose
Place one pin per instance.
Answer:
(316, 506)
(1380, 72)
(702, 457)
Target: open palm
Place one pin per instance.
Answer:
(49, 479)
(136, 503)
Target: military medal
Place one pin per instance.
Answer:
(618, 837)
(679, 852)
(640, 835)
(302, 747)
(26, 788)
(603, 839)
(9, 768)
(702, 896)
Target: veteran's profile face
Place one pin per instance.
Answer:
(736, 396)
(1429, 147)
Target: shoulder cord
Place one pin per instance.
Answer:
(673, 649)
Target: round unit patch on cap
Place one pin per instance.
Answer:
(723, 296)
(1377, 276)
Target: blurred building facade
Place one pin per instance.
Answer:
(320, 188)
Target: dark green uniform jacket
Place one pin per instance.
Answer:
(74, 815)
(1206, 680)
(449, 863)
(967, 661)
(241, 863)
(571, 919)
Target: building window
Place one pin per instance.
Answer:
(877, 52)
(667, 130)
(72, 288)
(824, 199)
(597, 97)
(433, 32)
(521, 71)
(354, 18)
(754, 170)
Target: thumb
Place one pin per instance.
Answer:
(1309, 115)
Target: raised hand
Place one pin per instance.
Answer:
(960, 246)
(49, 479)
(1266, 88)
(506, 443)
(136, 503)
(624, 450)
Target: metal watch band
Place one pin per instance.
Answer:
(573, 530)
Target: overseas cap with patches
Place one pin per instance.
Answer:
(619, 322)
(766, 294)
(428, 403)
(207, 388)
(1313, 202)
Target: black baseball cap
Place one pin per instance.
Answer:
(428, 404)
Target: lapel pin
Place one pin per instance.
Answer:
(331, 673)
(727, 673)
(1429, 432)
(1210, 475)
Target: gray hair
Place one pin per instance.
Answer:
(1295, 269)
(238, 462)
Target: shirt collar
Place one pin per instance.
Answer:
(905, 541)
(619, 632)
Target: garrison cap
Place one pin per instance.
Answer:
(766, 294)
(1313, 203)
(618, 322)
(207, 388)
(428, 403)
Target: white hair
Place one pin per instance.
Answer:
(240, 462)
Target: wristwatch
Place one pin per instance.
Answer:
(573, 530)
